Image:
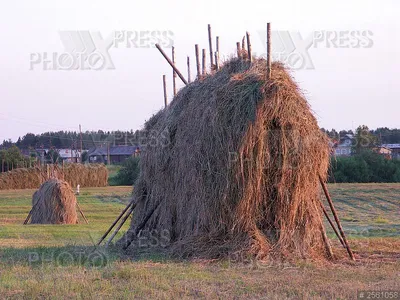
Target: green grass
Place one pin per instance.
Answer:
(61, 261)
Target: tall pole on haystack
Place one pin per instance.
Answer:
(196, 47)
(173, 72)
(217, 53)
(165, 90)
(335, 216)
(243, 43)
(269, 61)
(171, 64)
(203, 71)
(80, 133)
(238, 49)
(188, 68)
(210, 46)
(248, 45)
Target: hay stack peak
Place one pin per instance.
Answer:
(54, 203)
(233, 166)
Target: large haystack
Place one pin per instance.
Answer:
(54, 203)
(232, 166)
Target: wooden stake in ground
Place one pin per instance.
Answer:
(81, 212)
(269, 62)
(173, 72)
(328, 197)
(188, 67)
(216, 61)
(116, 221)
(165, 90)
(197, 60)
(171, 64)
(248, 45)
(210, 46)
(203, 72)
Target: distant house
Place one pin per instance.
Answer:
(344, 146)
(117, 154)
(386, 152)
(395, 150)
(69, 155)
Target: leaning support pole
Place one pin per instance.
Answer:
(81, 212)
(116, 221)
(328, 197)
(269, 63)
(120, 225)
(210, 46)
(332, 225)
(165, 90)
(171, 64)
(248, 45)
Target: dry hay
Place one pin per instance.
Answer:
(29, 178)
(54, 203)
(235, 168)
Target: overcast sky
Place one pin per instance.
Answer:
(350, 84)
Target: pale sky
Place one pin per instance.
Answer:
(348, 87)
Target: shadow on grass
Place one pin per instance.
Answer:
(85, 256)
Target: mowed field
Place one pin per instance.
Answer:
(61, 261)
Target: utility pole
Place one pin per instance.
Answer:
(108, 153)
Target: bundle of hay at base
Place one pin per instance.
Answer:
(54, 203)
(29, 178)
(232, 167)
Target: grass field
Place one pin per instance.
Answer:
(60, 261)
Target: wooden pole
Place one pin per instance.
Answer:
(328, 197)
(142, 224)
(203, 72)
(171, 64)
(217, 49)
(210, 46)
(197, 60)
(173, 72)
(332, 225)
(269, 62)
(120, 225)
(216, 61)
(248, 45)
(188, 68)
(81, 212)
(116, 221)
(243, 47)
(165, 90)
(326, 241)
(238, 49)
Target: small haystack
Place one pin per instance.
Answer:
(232, 166)
(54, 203)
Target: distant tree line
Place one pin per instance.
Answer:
(383, 135)
(72, 139)
(365, 166)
